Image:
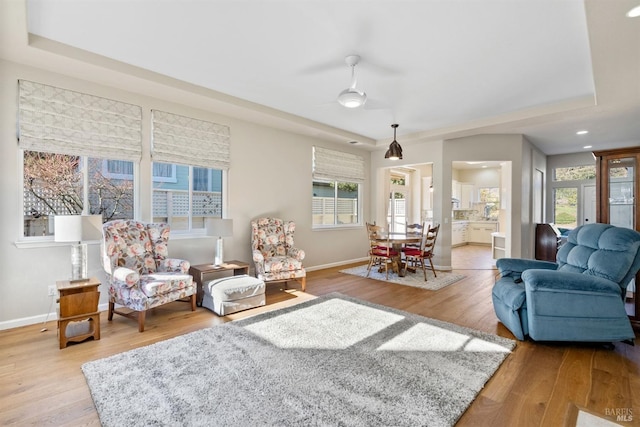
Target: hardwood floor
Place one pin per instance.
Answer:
(537, 385)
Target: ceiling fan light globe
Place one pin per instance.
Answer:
(352, 98)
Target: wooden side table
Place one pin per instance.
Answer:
(199, 271)
(78, 315)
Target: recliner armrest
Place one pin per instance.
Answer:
(567, 281)
(509, 266)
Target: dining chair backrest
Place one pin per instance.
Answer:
(374, 232)
(416, 230)
(430, 240)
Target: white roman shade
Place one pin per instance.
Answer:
(187, 141)
(62, 121)
(331, 165)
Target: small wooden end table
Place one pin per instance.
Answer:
(199, 271)
(78, 303)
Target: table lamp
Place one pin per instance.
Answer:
(221, 228)
(76, 229)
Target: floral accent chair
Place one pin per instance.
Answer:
(275, 257)
(140, 273)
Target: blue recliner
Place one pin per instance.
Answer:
(578, 298)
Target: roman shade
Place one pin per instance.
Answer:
(56, 120)
(187, 141)
(331, 165)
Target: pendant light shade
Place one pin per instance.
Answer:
(395, 150)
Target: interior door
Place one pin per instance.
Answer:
(588, 203)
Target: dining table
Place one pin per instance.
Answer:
(397, 242)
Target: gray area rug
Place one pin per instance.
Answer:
(330, 361)
(411, 279)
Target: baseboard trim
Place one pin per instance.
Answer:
(48, 321)
(336, 264)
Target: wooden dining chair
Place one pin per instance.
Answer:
(418, 256)
(415, 230)
(380, 252)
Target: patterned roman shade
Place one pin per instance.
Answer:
(62, 121)
(331, 165)
(187, 141)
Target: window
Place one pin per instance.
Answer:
(574, 173)
(336, 199)
(396, 211)
(568, 202)
(64, 137)
(123, 169)
(490, 196)
(335, 203)
(186, 202)
(565, 207)
(54, 184)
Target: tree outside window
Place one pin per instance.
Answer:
(53, 184)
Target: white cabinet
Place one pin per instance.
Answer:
(464, 193)
(459, 233)
(466, 196)
(456, 189)
(480, 232)
(498, 245)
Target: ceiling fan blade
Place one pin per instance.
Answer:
(374, 104)
(322, 67)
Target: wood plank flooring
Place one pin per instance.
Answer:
(538, 384)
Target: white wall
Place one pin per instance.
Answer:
(270, 175)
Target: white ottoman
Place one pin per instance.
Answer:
(234, 293)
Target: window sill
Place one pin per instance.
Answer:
(35, 242)
(337, 227)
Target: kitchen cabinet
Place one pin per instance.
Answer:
(456, 189)
(480, 232)
(466, 196)
(459, 233)
(463, 192)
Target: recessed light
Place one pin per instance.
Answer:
(484, 166)
(587, 146)
(634, 13)
(582, 132)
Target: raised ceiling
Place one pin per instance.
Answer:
(440, 69)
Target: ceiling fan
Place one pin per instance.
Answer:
(352, 97)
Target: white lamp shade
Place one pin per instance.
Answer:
(68, 228)
(76, 228)
(219, 227)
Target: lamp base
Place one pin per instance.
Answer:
(218, 260)
(79, 262)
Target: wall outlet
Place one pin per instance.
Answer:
(52, 291)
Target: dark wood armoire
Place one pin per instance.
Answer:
(617, 192)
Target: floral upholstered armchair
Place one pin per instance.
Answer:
(140, 274)
(274, 255)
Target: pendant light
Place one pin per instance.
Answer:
(395, 150)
